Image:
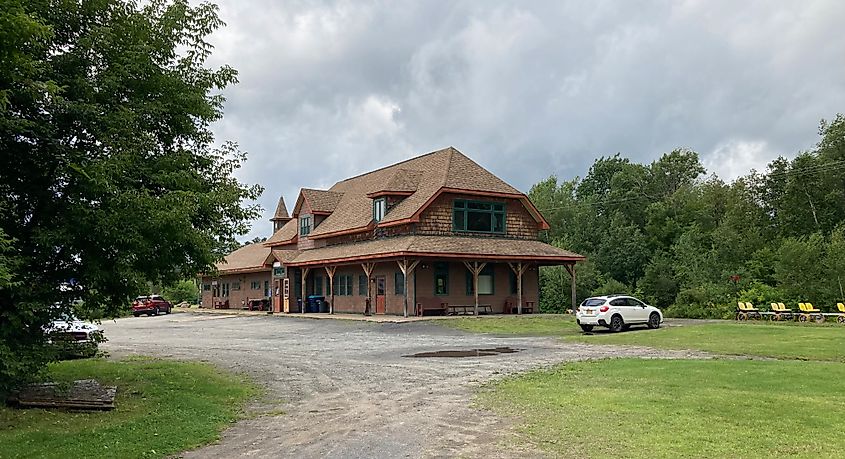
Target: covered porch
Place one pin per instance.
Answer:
(412, 282)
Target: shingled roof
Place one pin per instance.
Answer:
(284, 235)
(320, 201)
(281, 210)
(439, 246)
(423, 176)
(246, 259)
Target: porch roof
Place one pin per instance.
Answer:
(249, 258)
(454, 247)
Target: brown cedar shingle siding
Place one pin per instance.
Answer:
(437, 217)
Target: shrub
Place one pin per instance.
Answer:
(182, 291)
(709, 301)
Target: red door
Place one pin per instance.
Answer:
(380, 283)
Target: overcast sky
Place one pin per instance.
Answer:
(330, 89)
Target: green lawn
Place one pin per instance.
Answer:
(679, 408)
(783, 341)
(778, 340)
(163, 407)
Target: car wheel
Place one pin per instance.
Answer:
(841, 319)
(616, 324)
(135, 314)
(654, 320)
(586, 328)
(169, 308)
(155, 313)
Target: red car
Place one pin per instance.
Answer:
(150, 305)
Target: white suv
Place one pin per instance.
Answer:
(616, 312)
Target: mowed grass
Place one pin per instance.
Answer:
(782, 341)
(776, 340)
(679, 408)
(163, 407)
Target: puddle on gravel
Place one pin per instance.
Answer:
(466, 353)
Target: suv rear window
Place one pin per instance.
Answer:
(593, 302)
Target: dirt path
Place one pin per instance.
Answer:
(346, 388)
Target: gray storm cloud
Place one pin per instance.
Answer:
(330, 89)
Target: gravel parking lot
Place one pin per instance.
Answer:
(347, 389)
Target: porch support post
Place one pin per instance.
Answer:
(407, 267)
(475, 268)
(304, 275)
(368, 270)
(330, 272)
(570, 268)
(519, 269)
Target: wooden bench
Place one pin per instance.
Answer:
(510, 307)
(469, 309)
(431, 309)
(221, 304)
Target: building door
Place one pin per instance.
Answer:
(380, 290)
(276, 295)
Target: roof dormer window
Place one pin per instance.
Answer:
(304, 225)
(379, 208)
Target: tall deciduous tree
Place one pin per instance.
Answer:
(110, 175)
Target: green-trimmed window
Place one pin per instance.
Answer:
(478, 216)
(362, 285)
(399, 283)
(305, 225)
(255, 285)
(343, 285)
(441, 278)
(486, 281)
(379, 209)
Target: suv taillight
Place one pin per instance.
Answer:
(604, 308)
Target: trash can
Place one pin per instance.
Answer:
(314, 303)
(299, 305)
(324, 305)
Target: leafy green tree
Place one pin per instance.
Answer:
(183, 291)
(111, 177)
(659, 285)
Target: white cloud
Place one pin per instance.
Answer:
(736, 158)
(330, 88)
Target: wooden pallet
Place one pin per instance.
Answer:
(86, 394)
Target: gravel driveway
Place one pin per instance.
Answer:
(344, 386)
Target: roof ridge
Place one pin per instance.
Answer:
(394, 164)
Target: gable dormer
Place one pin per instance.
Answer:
(312, 207)
(402, 183)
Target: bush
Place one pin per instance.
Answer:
(611, 286)
(182, 291)
(760, 294)
(710, 301)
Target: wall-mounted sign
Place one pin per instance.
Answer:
(278, 271)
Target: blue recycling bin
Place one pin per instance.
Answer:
(314, 303)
